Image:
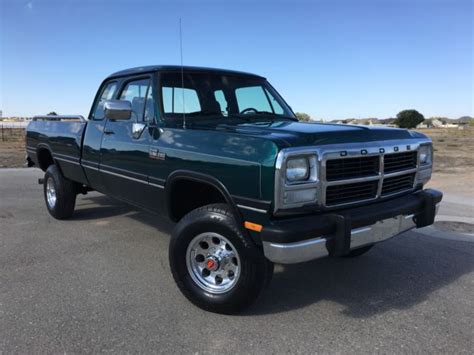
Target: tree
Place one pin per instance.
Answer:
(409, 119)
(303, 117)
(52, 113)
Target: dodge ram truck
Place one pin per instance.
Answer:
(224, 156)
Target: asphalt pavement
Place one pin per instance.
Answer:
(100, 282)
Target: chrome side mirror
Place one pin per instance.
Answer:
(118, 109)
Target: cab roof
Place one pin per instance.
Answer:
(177, 68)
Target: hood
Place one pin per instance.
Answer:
(291, 134)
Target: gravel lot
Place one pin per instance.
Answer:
(101, 282)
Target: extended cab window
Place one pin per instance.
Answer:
(137, 93)
(173, 100)
(107, 94)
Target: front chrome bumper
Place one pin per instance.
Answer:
(290, 253)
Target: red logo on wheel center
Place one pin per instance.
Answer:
(210, 264)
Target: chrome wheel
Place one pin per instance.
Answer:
(213, 262)
(50, 193)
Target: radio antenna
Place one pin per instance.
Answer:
(182, 71)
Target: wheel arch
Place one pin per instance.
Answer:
(180, 177)
(44, 156)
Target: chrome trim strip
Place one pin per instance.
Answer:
(156, 185)
(401, 172)
(66, 156)
(123, 176)
(119, 175)
(67, 160)
(251, 208)
(352, 181)
(119, 169)
(59, 118)
(130, 178)
(90, 167)
(89, 162)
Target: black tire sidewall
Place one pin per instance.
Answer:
(65, 194)
(254, 269)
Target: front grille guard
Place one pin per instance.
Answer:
(343, 151)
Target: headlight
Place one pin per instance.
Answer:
(296, 180)
(426, 154)
(297, 170)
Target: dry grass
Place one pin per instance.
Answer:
(12, 148)
(453, 161)
(453, 150)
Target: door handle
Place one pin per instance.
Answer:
(108, 132)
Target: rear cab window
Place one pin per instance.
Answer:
(173, 100)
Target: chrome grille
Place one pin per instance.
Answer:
(397, 183)
(399, 161)
(365, 177)
(341, 169)
(340, 194)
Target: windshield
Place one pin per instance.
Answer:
(219, 96)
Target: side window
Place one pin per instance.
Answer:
(220, 98)
(136, 92)
(107, 94)
(173, 100)
(252, 97)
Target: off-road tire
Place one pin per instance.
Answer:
(65, 192)
(255, 269)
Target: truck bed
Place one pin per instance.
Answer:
(61, 138)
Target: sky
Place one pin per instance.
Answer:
(331, 59)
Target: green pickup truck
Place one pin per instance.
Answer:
(223, 155)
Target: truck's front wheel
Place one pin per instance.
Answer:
(59, 193)
(215, 266)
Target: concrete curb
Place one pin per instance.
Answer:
(431, 231)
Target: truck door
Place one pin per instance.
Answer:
(124, 164)
(93, 135)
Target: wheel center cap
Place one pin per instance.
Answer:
(212, 264)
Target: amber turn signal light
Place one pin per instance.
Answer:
(253, 226)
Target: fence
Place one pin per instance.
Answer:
(12, 131)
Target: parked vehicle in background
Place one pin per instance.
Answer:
(222, 154)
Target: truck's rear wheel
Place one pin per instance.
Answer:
(214, 265)
(59, 193)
